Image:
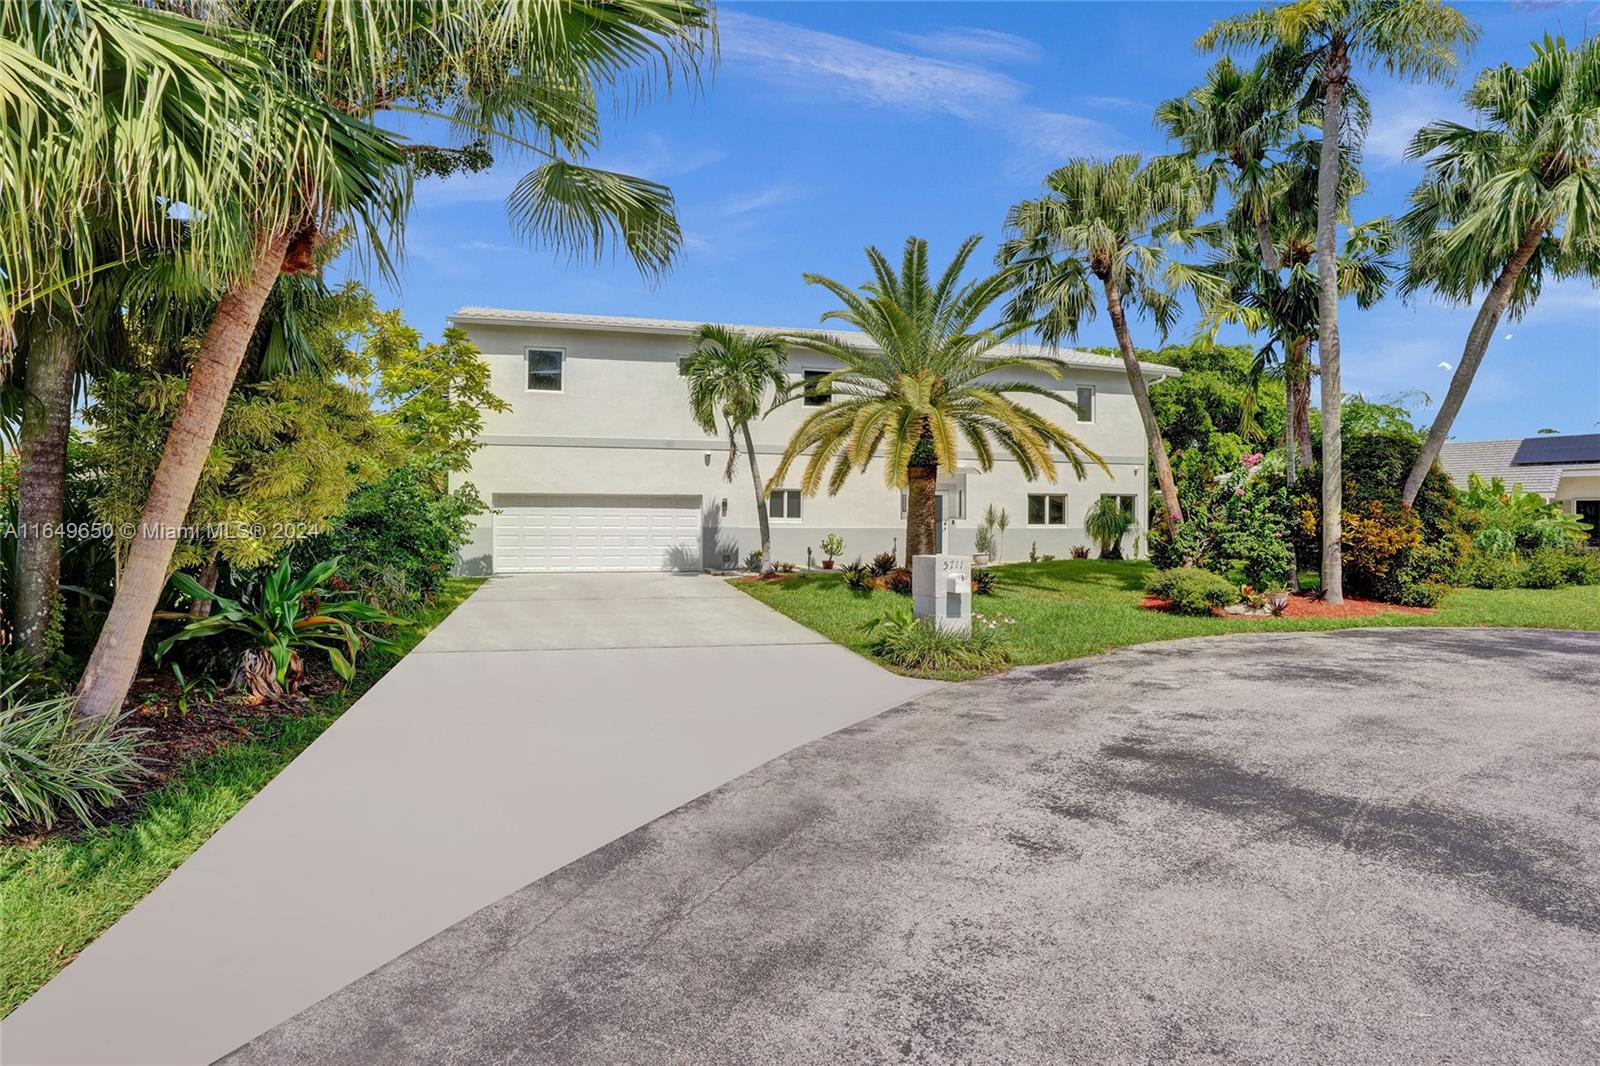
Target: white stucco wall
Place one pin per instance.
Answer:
(621, 425)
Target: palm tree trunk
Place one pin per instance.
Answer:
(1290, 452)
(42, 480)
(922, 496)
(761, 502)
(1334, 74)
(1300, 407)
(1141, 397)
(210, 571)
(1477, 346)
(116, 654)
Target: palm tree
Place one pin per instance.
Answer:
(1107, 522)
(1321, 41)
(929, 377)
(1506, 204)
(523, 77)
(130, 92)
(728, 374)
(1108, 220)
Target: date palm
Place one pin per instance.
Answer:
(1105, 223)
(932, 378)
(1322, 42)
(731, 375)
(525, 78)
(1506, 204)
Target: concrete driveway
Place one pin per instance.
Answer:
(1359, 847)
(546, 717)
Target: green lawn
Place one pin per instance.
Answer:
(1076, 607)
(57, 896)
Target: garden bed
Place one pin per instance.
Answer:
(1310, 605)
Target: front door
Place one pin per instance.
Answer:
(1589, 511)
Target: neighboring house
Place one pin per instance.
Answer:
(598, 465)
(1563, 469)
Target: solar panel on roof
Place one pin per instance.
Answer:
(1551, 450)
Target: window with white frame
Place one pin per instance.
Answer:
(1085, 403)
(815, 395)
(545, 369)
(1129, 503)
(784, 504)
(1047, 509)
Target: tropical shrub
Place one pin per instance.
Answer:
(916, 644)
(1236, 523)
(897, 580)
(753, 562)
(52, 764)
(857, 576)
(1390, 553)
(396, 540)
(983, 582)
(1108, 523)
(882, 563)
(1079, 551)
(1191, 590)
(288, 616)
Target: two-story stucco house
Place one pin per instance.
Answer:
(598, 465)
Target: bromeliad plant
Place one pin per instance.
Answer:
(288, 616)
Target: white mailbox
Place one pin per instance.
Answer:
(941, 591)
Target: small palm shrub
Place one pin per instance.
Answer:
(898, 580)
(289, 615)
(983, 582)
(1080, 551)
(915, 644)
(857, 576)
(1192, 590)
(882, 563)
(52, 764)
(1108, 523)
(786, 568)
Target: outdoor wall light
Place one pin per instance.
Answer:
(724, 507)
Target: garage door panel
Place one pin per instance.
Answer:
(544, 533)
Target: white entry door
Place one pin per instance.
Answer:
(545, 533)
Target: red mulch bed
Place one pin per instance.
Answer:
(1304, 605)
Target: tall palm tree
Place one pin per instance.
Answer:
(1109, 221)
(1325, 40)
(931, 376)
(521, 77)
(1237, 126)
(134, 93)
(729, 374)
(1507, 203)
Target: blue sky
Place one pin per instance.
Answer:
(829, 126)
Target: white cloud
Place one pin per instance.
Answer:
(654, 158)
(970, 42)
(1399, 112)
(819, 63)
(1113, 103)
(777, 193)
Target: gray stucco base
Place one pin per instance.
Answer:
(725, 547)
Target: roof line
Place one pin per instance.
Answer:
(677, 327)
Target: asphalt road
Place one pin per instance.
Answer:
(1359, 847)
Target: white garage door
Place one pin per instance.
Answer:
(542, 533)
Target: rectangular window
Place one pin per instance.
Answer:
(1129, 503)
(544, 369)
(785, 503)
(815, 397)
(1047, 509)
(1085, 403)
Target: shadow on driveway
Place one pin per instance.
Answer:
(1357, 847)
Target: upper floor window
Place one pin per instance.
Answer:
(545, 367)
(1085, 403)
(815, 396)
(785, 503)
(1047, 509)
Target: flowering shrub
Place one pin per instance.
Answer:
(1235, 524)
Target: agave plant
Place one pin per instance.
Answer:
(289, 615)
